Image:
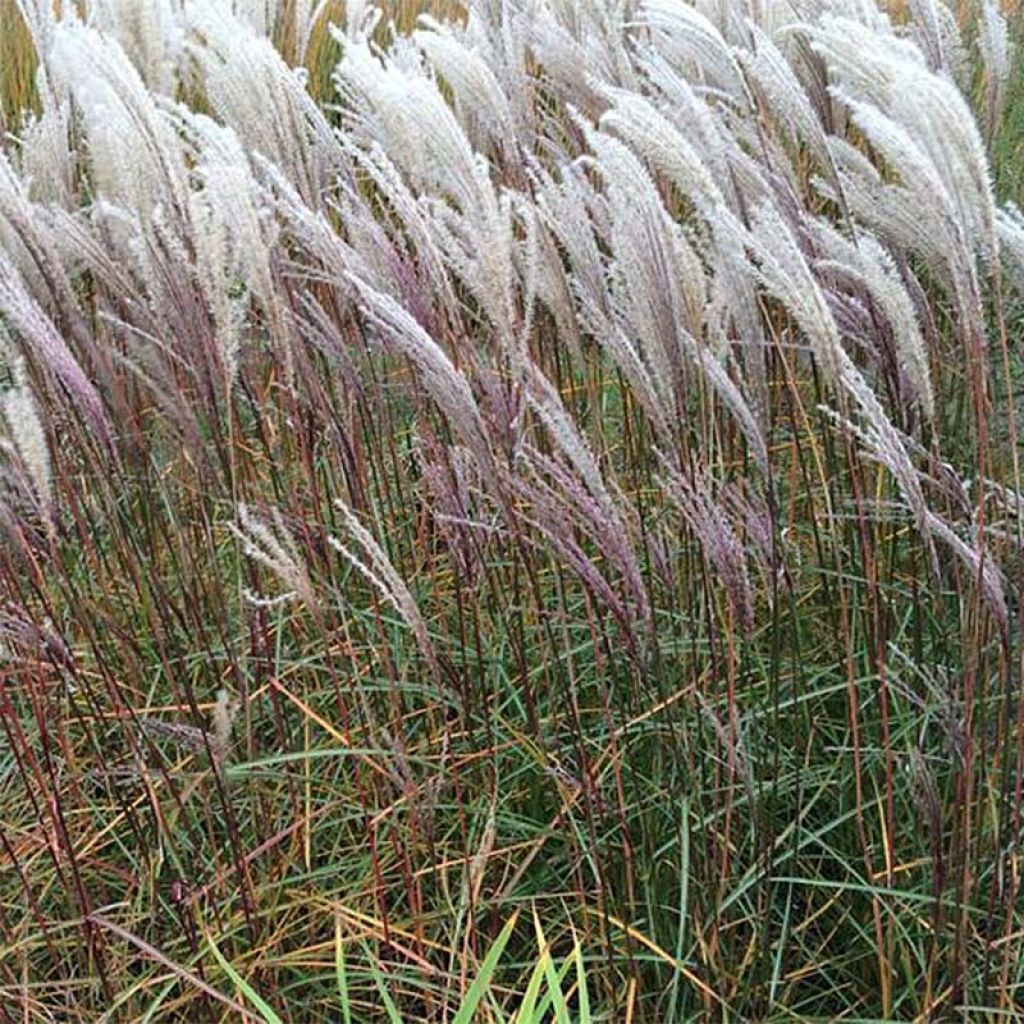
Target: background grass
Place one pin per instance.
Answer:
(818, 821)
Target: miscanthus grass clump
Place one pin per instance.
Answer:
(511, 515)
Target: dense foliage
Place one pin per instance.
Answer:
(513, 515)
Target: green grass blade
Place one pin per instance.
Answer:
(526, 1014)
(382, 987)
(582, 996)
(557, 997)
(243, 986)
(483, 980)
(553, 996)
(339, 972)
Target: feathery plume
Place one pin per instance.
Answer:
(41, 341)
(637, 121)
(446, 385)
(46, 160)
(26, 430)
(405, 113)
(875, 69)
(777, 83)
(134, 154)
(937, 33)
(719, 543)
(233, 237)
(690, 39)
(483, 106)
(273, 547)
(867, 262)
(385, 578)
(224, 710)
(149, 32)
(980, 564)
(994, 44)
(783, 272)
(253, 90)
(556, 497)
